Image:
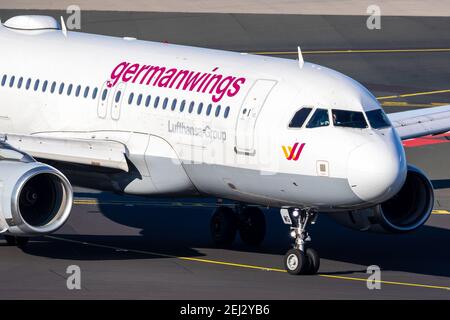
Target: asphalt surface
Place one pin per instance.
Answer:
(137, 248)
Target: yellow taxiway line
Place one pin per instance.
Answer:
(277, 53)
(246, 266)
(174, 204)
(408, 284)
(412, 105)
(441, 212)
(231, 264)
(367, 51)
(320, 275)
(143, 203)
(415, 94)
(348, 51)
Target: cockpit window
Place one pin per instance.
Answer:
(299, 118)
(319, 119)
(378, 119)
(349, 119)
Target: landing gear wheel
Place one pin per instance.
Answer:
(223, 227)
(295, 262)
(252, 226)
(16, 241)
(313, 261)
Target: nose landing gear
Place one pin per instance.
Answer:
(300, 259)
(250, 223)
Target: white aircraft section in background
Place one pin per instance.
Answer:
(150, 118)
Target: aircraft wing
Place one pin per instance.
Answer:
(101, 153)
(421, 122)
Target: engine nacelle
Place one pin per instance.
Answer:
(409, 209)
(35, 198)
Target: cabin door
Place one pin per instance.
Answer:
(103, 99)
(250, 110)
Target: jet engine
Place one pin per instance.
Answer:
(409, 209)
(35, 198)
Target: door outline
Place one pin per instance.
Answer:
(102, 106)
(116, 106)
(244, 122)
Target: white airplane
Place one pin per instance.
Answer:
(150, 118)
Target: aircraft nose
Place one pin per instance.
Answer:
(376, 171)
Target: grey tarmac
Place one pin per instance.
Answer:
(140, 248)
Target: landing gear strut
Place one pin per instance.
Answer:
(300, 259)
(226, 222)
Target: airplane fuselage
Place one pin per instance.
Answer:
(203, 121)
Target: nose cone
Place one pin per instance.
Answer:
(377, 169)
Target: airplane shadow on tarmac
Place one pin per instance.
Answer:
(169, 228)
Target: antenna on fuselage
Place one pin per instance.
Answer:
(301, 62)
(63, 27)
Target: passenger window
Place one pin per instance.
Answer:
(174, 104)
(11, 82)
(208, 110)
(53, 87)
(227, 111)
(77, 91)
(349, 119)
(200, 107)
(130, 98)
(104, 94)
(139, 100)
(69, 89)
(191, 106)
(4, 80)
(156, 102)
(36, 85)
(319, 119)
(147, 101)
(61, 88)
(182, 105)
(27, 86)
(299, 118)
(218, 111)
(94, 93)
(118, 94)
(44, 86)
(19, 83)
(86, 92)
(166, 100)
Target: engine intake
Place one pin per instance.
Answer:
(409, 209)
(36, 198)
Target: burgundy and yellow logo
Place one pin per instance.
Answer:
(293, 153)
